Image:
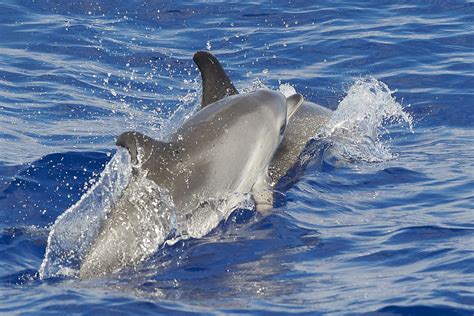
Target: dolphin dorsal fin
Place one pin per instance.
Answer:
(293, 102)
(216, 84)
(135, 141)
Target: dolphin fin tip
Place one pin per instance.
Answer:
(128, 141)
(293, 103)
(215, 82)
(202, 54)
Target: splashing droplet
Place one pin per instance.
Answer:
(357, 127)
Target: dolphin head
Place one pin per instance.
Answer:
(268, 112)
(264, 112)
(282, 108)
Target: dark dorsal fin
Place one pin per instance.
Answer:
(216, 84)
(134, 140)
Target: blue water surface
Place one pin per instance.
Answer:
(382, 230)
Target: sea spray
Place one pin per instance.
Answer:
(73, 231)
(357, 127)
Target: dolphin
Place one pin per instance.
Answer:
(304, 124)
(224, 149)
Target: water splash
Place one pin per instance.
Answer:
(256, 84)
(143, 218)
(354, 131)
(287, 89)
(208, 214)
(74, 231)
(358, 127)
(188, 105)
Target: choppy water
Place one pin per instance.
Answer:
(381, 217)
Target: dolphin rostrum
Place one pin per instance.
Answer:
(224, 149)
(304, 123)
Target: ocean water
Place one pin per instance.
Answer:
(377, 218)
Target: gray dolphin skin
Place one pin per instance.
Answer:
(303, 125)
(224, 149)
